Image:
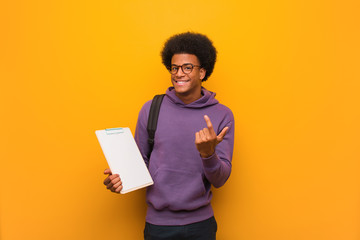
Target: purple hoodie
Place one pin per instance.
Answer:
(181, 192)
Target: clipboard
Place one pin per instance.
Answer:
(124, 158)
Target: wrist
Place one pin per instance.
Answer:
(206, 155)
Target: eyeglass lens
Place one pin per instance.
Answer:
(186, 68)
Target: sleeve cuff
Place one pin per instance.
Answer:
(211, 162)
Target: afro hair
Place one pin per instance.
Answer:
(191, 43)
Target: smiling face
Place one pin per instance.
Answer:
(187, 85)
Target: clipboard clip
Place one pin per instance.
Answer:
(110, 131)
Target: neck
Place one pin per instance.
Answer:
(187, 99)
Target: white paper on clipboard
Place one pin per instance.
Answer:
(124, 158)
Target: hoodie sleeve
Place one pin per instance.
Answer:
(141, 134)
(217, 167)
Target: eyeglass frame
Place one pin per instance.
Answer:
(182, 69)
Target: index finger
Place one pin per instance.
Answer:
(209, 124)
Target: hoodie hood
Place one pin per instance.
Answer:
(207, 99)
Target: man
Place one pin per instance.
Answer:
(193, 145)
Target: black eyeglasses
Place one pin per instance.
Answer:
(186, 68)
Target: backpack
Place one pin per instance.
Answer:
(153, 119)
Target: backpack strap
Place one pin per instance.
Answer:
(153, 119)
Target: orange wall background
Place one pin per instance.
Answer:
(289, 70)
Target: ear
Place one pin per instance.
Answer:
(202, 73)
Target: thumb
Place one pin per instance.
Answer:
(221, 135)
(107, 171)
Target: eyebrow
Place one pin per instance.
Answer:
(182, 64)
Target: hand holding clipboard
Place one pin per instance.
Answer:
(124, 159)
(113, 181)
